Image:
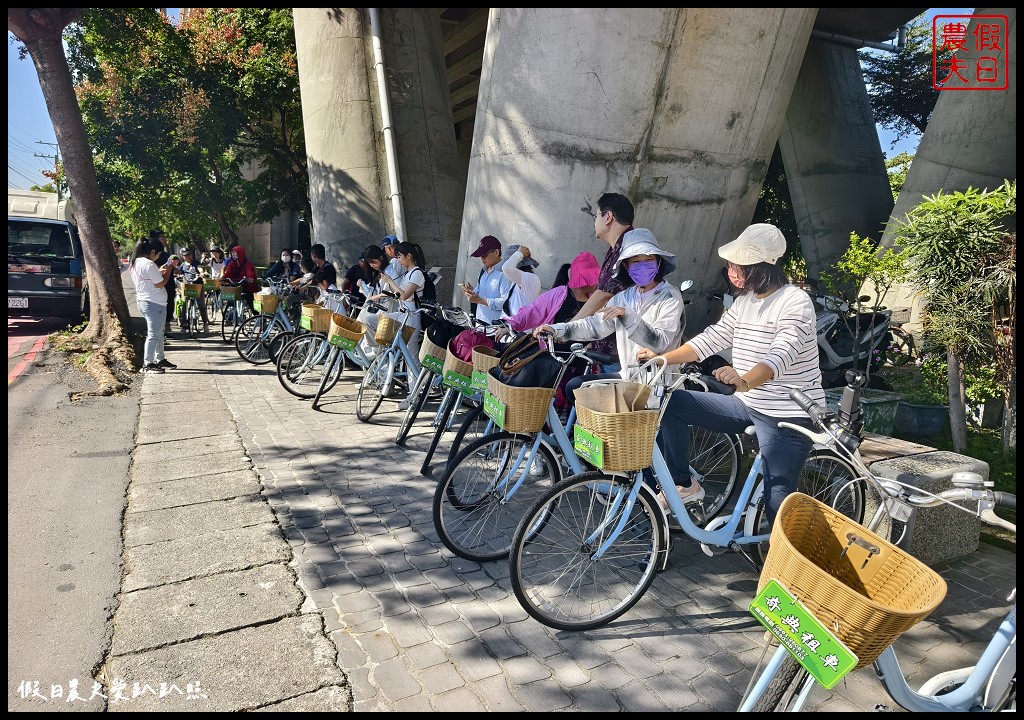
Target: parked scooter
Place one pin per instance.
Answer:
(836, 325)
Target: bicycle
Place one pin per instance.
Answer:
(394, 362)
(588, 550)
(785, 683)
(211, 294)
(342, 352)
(190, 315)
(260, 339)
(483, 494)
(432, 368)
(234, 310)
(474, 423)
(305, 365)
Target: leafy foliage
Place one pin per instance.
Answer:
(900, 83)
(179, 116)
(897, 168)
(957, 245)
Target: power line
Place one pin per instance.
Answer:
(11, 139)
(15, 170)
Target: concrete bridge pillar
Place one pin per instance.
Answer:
(679, 109)
(833, 159)
(349, 186)
(433, 177)
(338, 115)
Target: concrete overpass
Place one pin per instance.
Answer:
(507, 121)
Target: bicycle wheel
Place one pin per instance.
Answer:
(554, 572)
(300, 366)
(473, 425)
(477, 505)
(371, 388)
(279, 340)
(335, 365)
(783, 688)
(228, 323)
(253, 338)
(211, 307)
(192, 317)
(826, 477)
(449, 404)
(715, 460)
(417, 399)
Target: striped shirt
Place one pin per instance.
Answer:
(778, 331)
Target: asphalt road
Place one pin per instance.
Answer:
(67, 474)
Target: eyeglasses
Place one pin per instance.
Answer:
(600, 213)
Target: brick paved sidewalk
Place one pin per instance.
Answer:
(417, 628)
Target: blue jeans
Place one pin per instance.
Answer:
(783, 451)
(156, 316)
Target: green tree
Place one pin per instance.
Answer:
(900, 83)
(953, 243)
(897, 168)
(865, 262)
(109, 324)
(179, 113)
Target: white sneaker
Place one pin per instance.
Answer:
(537, 468)
(692, 494)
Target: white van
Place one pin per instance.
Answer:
(45, 268)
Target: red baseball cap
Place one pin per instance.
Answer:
(487, 243)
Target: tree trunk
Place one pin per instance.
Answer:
(109, 324)
(957, 402)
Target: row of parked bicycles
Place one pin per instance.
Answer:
(569, 499)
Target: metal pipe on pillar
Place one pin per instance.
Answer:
(394, 185)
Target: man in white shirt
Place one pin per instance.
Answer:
(492, 287)
(393, 269)
(518, 267)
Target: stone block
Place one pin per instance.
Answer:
(941, 533)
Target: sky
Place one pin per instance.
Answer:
(31, 143)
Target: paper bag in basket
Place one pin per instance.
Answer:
(614, 397)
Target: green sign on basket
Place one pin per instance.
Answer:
(460, 382)
(343, 342)
(820, 652)
(305, 321)
(479, 381)
(588, 446)
(494, 409)
(435, 364)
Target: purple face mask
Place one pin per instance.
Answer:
(643, 272)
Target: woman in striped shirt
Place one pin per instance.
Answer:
(770, 329)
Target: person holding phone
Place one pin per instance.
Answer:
(150, 281)
(492, 286)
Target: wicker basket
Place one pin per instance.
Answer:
(484, 358)
(866, 598)
(628, 437)
(345, 331)
(315, 318)
(452, 362)
(230, 293)
(211, 284)
(387, 328)
(192, 290)
(265, 303)
(526, 408)
(429, 349)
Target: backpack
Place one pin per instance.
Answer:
(428, 293)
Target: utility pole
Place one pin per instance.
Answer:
(56, 163)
